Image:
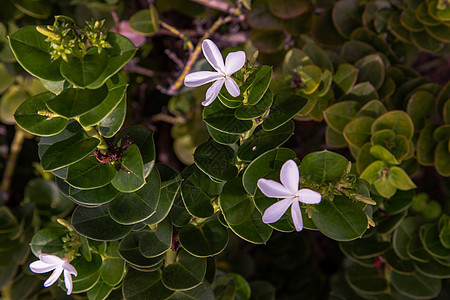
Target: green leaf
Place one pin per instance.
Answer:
(116, 92)
(340, 219)
(335, 139)
(253, 229)
(398, 178)
(263, 141)
(311, 77)
(143, 138)
(99, 291)
(340, 114)
(433, 269)
(363, 93)
(416, 285)
(371, 69)
(96, 224)
(158, 241)
(288, 9)
(396, 120)
(32, 52)
(222, 118)
(284, 107)
(121, 52)
(207, 240)
(222, 137)
(134, 207)
(130, 251)
(295, 58)
(49, 240)
(144, 286)
(403, 235)
(383, 154)
(198, 190)
(74, 102)
(366, 280)
(429, 236)
(68, 151)
(260, 84)
(346, 16)
(186, 273)
(88, 273)
(399, 265)
(267, 41)
(358, 131)
(93, 197)
(28, 119)
(384, 187)
(110, 125)
(318, 56)
(442, 158)
(130, 176)
(113, 267)
(345, 77)
(170, 186)
(83, 71)
(401, 201)
(89, 173)
(419, 108)
(145, 21)
(250, 112)
(216, 160)
(323, 167)
(268, 163)
(235, 203)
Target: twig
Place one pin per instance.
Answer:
(15, 149)
(176, 32)
(167, 118)
(219, 5)
(194, 55)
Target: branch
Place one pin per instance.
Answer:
(219, 5)
(194, 55)
(15, 149)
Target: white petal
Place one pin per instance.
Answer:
(50, 259)
(68, 282)
(199, 78)
(297, 216)
(55, 275)
(308, 196)
(234, 62)
(69, 268)
(289, 176)
(274, 212)
(273, 189)
(232, 87)
(212, 92)
(41, 267)
(213, 55)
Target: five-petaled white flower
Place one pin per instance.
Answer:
(233, 63)
(287, 189)
(47, 263)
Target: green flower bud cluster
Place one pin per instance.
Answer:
(66, 38)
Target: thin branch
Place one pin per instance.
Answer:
(194, 55)
(15, 149)
(219, 5)
(176, 32)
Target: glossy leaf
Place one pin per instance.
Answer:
(235, 203)
(216, 160)
(156, 242)
(187, 272)
(134, 207)
(89, 173)
(28, 119)
(284, 107)
(206, 240)
(95, 223)
(130, 176)
(74, 102)
(33, 53)
(222, 118)
(323, 167)
(340, 114)
(259, 85)
(110, 125)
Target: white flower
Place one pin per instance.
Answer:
(233, 63)
(287, 189)
(47, 263)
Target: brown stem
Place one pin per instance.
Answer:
(15, 149)
(176, 32)
(194, 55)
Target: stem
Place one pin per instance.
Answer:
(219, 5)
(92, 132)
(15, 149)
(194, 55)
(176, 32)
(171, 257)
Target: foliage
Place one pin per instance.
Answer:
(136, 225)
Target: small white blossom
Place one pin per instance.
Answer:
(288, 190)
(233, 63)
(47, 263)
